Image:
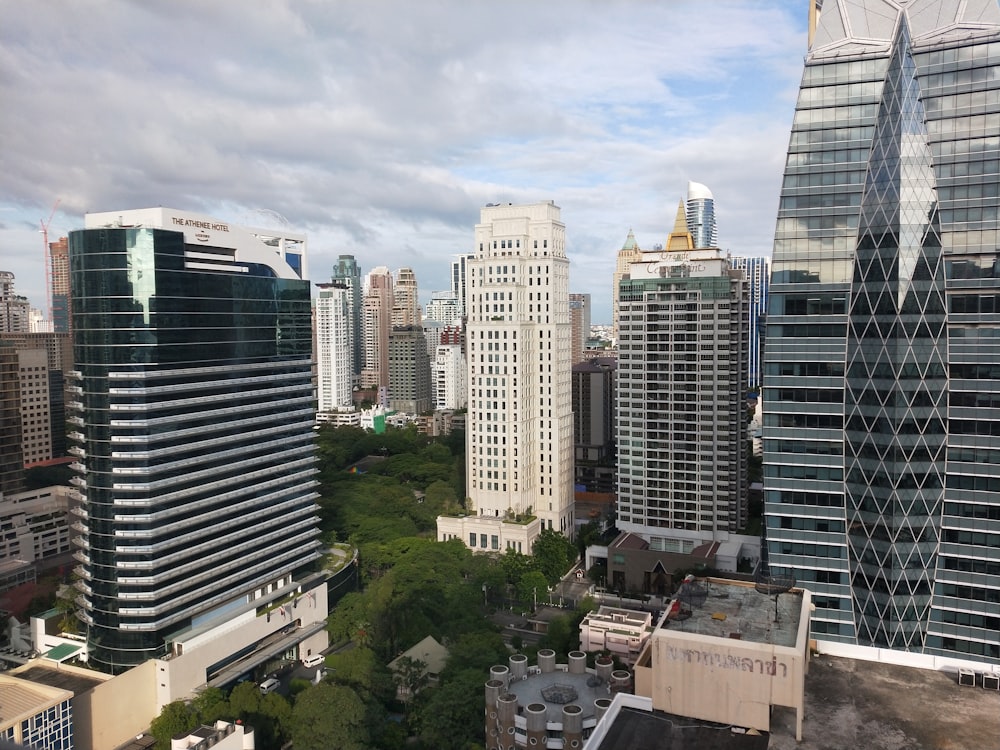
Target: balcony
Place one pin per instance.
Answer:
(82, 573)
(78, 481)
(80, 556)
(77, 451)
(78, 467)
(78, 421)
(79, 511)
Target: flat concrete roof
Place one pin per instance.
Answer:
(860, 704)
(579, 689)
(73, 681)
(721, 608)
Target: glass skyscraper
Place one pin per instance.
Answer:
(881, 374)
(195, 413)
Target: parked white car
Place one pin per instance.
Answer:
(313, 660)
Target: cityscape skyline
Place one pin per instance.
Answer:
(331, 136)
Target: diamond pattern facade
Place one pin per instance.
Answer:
(882, 392)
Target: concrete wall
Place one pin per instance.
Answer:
(179, 675)
(722, 680)
(115, 711)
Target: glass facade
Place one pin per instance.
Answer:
(881, 393)
(196, 407)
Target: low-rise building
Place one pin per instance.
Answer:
(620, 632)
(727, 651)
(34, 715)
(223, 735)
(549, 705)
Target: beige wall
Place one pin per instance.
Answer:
(722, 680)
(116, 710)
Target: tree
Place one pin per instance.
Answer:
(410, 675)
(450, 716)
(329, 716)
(210, 705)
(244, 700)
(531, 586)
(175, 718)
(554, 554)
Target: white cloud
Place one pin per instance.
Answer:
(381, 127)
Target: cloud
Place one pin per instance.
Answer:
(380, 128)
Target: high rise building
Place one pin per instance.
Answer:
(758, 273)
(681, 396)
(334, 347)
(448, 374)
(629, 254)
(376, 322)
(700, 215)
(409, 370)
(444, 308)
(62, 315)
(579, 317)
(405, 300)
(881, 385)
(193, 352)
(15, 310)
(594, 399)
(347, 272)
(36, 423)
(459, 272)
(11, 455)
(520, 422)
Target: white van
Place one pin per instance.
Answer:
(269, 686)
(313, 660)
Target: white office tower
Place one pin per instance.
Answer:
(448, 384)
(681, 396)
(520, 422)
(334, 347)
(444, 308)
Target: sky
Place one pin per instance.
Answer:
(380, 128)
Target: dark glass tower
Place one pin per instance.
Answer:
(881, 383)
(192, 349)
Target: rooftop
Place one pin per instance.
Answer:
(74, 680)
(641, 730)
(732, 609)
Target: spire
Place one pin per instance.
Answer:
(630, 243)
(680, 238)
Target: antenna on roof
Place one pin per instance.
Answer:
(773, 585)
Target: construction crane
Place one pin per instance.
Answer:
(48, 259)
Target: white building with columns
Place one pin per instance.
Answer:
(520, 422)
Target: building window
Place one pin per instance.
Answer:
(472, 540)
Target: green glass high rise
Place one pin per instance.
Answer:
(881, 382)
(192, 342)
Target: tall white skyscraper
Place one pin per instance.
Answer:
(334, 346)
(520, 422)
(700, 214)
(448, 374)
(444, 308)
